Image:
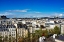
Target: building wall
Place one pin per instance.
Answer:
(62, 29)
(12, 32)
(4, 33)
(22, 32)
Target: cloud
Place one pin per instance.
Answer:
(37, 12)
(33, 15)
(60, 14)
(6, 13)
(25, 10)
(28, 13)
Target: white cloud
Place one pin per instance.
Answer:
(37, 12)
(34, 15)
(25, 10)
(6, 13)
(29, 13)
(60, 14)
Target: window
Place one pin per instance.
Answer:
(47, 24)
(13, 34)
(5, 32)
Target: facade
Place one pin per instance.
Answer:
(3, 30)
(50, 25)
(62, 29)
(12, 32)
(22, 32)
(4, 33)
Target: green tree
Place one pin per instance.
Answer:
(39, 32)
(56, 30)
(51, 31)
(45, 33)
(0, 38)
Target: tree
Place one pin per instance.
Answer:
(0, 38)
(45, 33)
(20, 39)
(56, 30)
(51, 31)
(39, 32)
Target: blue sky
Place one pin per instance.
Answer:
(31, 8)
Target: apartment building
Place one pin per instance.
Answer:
(12, 30)
(3, 30)
(22, 30)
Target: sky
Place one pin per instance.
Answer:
(31, 8)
